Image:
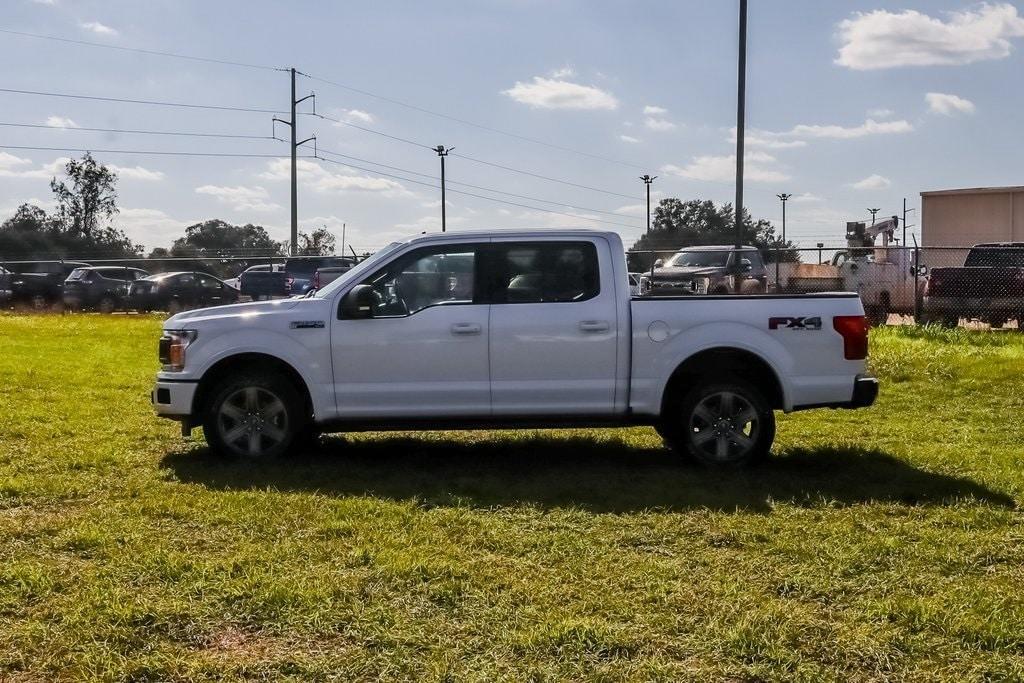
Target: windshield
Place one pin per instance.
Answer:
(78, 274)
(996, 257)
(699, 259)
(357, 270)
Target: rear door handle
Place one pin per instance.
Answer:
(466, 328)
(594, 326)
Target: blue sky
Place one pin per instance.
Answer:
(850, 105)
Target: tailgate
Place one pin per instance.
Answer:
(976, 282)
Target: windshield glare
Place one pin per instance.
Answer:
(699, 259)
(358, 270)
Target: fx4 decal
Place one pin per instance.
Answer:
(794, 323)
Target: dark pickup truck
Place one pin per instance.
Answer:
(5, 287)
(989, 287)
(294, 277)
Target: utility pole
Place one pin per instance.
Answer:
(873, 213)
(741, 97)
(343, 239)
(783, 197)
(293, 124)
(443, 152)
(647, 181)
(905, 226)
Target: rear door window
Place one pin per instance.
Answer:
(543, 272)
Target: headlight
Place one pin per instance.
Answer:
(172, 348)
(700, 285)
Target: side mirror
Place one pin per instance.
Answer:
(658, 263)
(921, 270)
(358, 303)
(745, 265)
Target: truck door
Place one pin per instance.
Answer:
(554, 331)
(423, 353)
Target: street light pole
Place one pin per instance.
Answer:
(647, 181)
(442, 152)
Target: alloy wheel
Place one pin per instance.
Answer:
(725, 426)
(252, 421)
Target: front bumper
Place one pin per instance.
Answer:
(173, 398)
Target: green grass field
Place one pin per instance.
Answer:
(883, 544)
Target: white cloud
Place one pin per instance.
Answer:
(136, 172)
(765, 139)
(660, 125)
(633, 209)
(872, 182)
(355, 116)
(564, 72)
(318, 178)
(656, 118)
(549, 93)
(152, 227)
(13, 167)
(869, 127)
(60, 122)
(948, 105)
(628, 138)
(883, 39)
(806, 198)
(99, 29)
(757, 168)
(45, 2)
(881, 113)
(240, 198)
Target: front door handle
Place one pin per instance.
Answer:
(594, 326)
(466, 328)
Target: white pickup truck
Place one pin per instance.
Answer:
(507, 329)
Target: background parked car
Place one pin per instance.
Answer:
(5, 287)
(174, 292)
(40, 284)
(711, 270)
(104, 288)
(327, 274)
(262, 281)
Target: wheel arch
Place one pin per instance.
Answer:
(723, 361)
(240, 362)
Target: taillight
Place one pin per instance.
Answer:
(854, 330)
(316, 280)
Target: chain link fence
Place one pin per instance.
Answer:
(981, 286)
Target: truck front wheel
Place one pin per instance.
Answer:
(254, 416)
(726, 423)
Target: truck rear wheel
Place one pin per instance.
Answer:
(725, 423)
(258, 416)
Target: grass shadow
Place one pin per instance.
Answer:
(599, 475)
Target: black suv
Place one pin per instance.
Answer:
(103, 288)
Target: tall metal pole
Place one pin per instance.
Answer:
(443, 152)
(343, 225)
(647, 181)
(904, 242)
(741, 96)
(294, 125)
(783, 197)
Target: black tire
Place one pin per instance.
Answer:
(704, 424)
(256, 416)
(106, 304)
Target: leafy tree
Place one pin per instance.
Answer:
(217, 236)
(677, 224)
(320, 243)
(87, 196)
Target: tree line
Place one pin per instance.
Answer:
(80, 226)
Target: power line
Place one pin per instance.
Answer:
(138, 50)
(544, 177)
(80, 150)
(479, 196)
(140, 132)
(468, 158)
(321, 150)
(481, 126)
(185, 105)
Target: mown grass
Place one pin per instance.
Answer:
(877, 545)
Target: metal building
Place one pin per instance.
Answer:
(962, 218)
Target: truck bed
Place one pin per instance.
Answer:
(794, 333)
